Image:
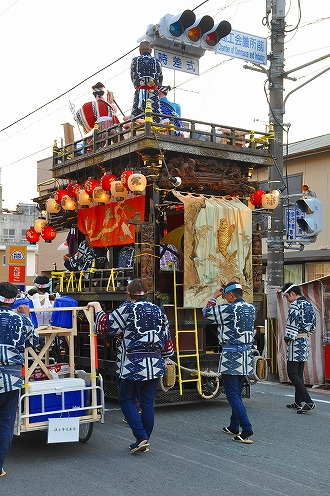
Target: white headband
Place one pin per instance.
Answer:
(288, 289)
(7, 300)
(42, 285)
(231, 287)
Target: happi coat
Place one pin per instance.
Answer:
(301, 319)
(16, 333)
(145, 341)
(146, 76)
(235, 327)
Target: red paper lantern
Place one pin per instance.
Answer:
(106, 181)
(90, 185)
(58, 195)
(73, 189)
(124, 177)
(48, 233)
(32, 236)
(255, 198)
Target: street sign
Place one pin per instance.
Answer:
(293, 231)
(16, 264)
(244, 46)
(177, 62)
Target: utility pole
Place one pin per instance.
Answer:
(275, 244)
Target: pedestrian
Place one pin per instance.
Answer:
(301, 322)
(16, 333)
(146, 341)
(146, 76)
(235, 320)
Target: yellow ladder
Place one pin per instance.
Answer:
(178, 332)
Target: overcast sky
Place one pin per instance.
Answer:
(47, 48)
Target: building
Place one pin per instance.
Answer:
(305, 162)
(14, 225)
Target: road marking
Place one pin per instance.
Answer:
(315, 401)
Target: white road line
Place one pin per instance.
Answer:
(315, 401)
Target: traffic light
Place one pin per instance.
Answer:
(211, 39)
(311, 222)
(172, 27)
(184, 28)
(193, 33)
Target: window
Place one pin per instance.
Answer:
(23, 233)
(8, 233)
(317, 270)
(293, 273)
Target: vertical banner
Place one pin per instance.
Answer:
(16, 263)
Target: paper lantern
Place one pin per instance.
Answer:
(32, 236)
(269, 200)
(255, 198)
(125, 176)
(137, 182)
(58, 195)
(39, 224)
(83, 198)
(118, 191)
(48, 233)
(52, 206)
(73, 189)
(100, 196)
(68, 203)
(106, 181)
(90, 185)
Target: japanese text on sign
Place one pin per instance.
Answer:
(177, 62)
(244, 46)
(293, 231)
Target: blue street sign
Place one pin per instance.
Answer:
(244, 46)
(293, 231)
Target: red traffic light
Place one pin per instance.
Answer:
(212, 37)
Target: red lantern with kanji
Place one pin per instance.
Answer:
(73, 189)
(255, 198)
(32, 236)
(58, 195)
(90, 185)
(106, 181)
(48, 233)
(124, 177)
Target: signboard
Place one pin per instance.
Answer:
(177, 62)
(16, 274)
(16, 262)
(244, 46)
(293, 231)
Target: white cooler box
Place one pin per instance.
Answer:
(56, 398)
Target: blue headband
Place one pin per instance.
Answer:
(231, 287)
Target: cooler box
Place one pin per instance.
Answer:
(54, 391)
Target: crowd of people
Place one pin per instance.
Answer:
(145, 344)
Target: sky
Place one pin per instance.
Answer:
(52, 56)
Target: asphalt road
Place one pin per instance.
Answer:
(189, 455)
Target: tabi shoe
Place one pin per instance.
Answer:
(139, 446)
(228, 430)
(307, 407)
(3, 473)
(244, 438)
(294, 406)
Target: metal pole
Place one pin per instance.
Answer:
(275, 243)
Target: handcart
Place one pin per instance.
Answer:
(72, 394)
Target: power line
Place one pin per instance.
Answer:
(68, 91)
